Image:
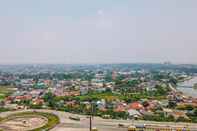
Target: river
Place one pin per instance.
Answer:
(188, 91)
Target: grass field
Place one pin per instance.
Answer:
(5, 91)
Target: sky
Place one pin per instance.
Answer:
(98, 31)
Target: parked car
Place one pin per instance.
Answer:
(76, 118)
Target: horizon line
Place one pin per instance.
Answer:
(89, 63)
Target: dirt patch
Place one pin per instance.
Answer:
(23, 123)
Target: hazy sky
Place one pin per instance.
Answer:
(98, 31)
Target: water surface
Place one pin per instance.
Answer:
(186, 89)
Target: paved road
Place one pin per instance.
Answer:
(102, 124)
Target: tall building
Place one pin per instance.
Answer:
(114, 75)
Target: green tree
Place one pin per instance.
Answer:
(50, 99)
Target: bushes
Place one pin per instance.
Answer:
(3, 109)
(183, 119)
(159, 117)
(115, 115)
(185, 107)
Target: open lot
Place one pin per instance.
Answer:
(26, 121)
(23, 123)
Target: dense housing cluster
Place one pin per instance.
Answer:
(118, 91)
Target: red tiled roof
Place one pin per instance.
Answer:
(103, 109)
(25, 97)
(136, 106)
(120, 109)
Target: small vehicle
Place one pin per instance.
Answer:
(106, 116)
(141, 126)
(132, 128)
(76, 118)
(182, 129)
(121, 125)
(94, 129)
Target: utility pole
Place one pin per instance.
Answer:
(91, 114)
(90, 123)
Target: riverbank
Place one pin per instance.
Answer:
(187, 87)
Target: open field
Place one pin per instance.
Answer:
(5, 91)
